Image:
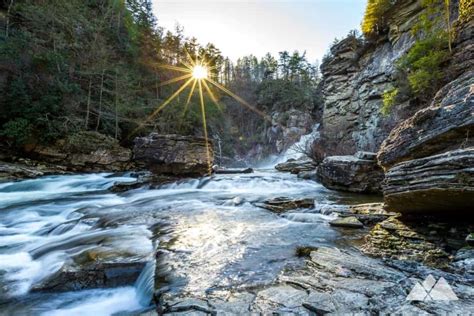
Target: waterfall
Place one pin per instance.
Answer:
(295, 150)
(145, 284)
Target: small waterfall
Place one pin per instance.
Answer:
(145, 284)
(298, 149)
(295, 151)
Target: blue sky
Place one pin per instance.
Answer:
(243, 27)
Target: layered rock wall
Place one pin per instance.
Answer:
(354, 79)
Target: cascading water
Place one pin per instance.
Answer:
(296, 151)
(145, 283)
(211, 232)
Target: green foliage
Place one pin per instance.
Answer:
(424, 62)
(466, 10)
(17, 130)
(374, 20)
(420, 73)
(389, 98)
(83, 66)
(281, 95)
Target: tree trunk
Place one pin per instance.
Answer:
(88, 102)
(99, 114)
(448, 22)
(7, 26)
(116, 104)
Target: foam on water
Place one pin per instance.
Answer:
(218, 237)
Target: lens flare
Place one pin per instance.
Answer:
(199, 72)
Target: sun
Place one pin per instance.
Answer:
(197, 76)
(200, 72)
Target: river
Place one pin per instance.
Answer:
(209, 234)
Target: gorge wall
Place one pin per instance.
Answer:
(355, 75)
(424, 144)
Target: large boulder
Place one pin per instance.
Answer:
(358, 173)
(447, 124)
(173, 154)
(296, 166)
(86, 151)
(443, 182)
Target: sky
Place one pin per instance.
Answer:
(244, 27)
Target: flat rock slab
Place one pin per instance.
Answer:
(283, 204)
(296, 166)
(233, 171)
(348, 222)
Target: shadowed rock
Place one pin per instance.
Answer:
(173, 154)
(440, 183)
(447, 124)
(351, 173)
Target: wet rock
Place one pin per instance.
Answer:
(336, 261)
(126, 186)
(308, 175)
(305, 251)
(369, 213)
(320, 303)
(233, 304)
(447, 124)
(440, 183)
(282, 204)
(351, 173)
(232, 171)
(470, 239)
(411, 240)
(98, 275)
(189, 305)
(86, 151)
(464, 259)
(9, 171)
(296, 166)
(26, 169)
(280, 296)
(173, 154)
(144, 179)
(348, 222)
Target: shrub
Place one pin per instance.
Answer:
(389, 99)
(18, 130)
(375, 16)
(466, 10)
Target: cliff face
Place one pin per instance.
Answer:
(425, 148)
(354, 79)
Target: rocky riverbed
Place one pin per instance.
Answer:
(71, 245)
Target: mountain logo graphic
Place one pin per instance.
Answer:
(432, 290)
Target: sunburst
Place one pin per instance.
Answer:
(197, 74)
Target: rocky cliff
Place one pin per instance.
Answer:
(355, 75)
(424, 146)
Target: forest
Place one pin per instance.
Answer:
(103, 65)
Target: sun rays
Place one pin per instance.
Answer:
(197, 75)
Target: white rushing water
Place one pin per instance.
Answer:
(211, 233)
(296, 151)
